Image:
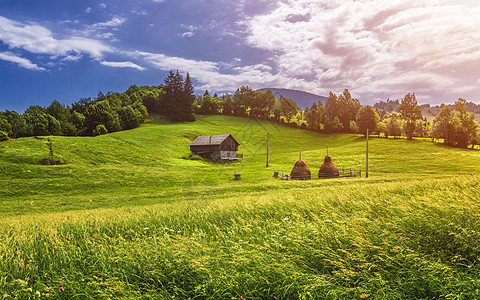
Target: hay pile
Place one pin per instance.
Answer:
(300, 171)
(328, 169)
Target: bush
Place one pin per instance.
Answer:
(99, 130)
(3, 136)
(191, 156)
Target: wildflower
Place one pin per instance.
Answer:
(61, 284)
(61, 289)
(241, 298)
(118, 270)
(72, 276)
(285, 219)
(146, 228)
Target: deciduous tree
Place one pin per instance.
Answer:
(410, 112)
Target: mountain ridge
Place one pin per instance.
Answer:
(302, 98)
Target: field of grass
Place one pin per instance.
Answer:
(129, 217)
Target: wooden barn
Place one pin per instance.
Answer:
(215, 147)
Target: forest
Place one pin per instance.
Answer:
(175, 98)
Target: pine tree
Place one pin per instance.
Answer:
(173, 95)
(188, 99)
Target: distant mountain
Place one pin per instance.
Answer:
(303, 99)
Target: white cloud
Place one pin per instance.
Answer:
(124, 64)
(102, 5)
(191, 30)
(365, 45)
(219, 76)
(187, 34)
(38, 39)
(158, 1)
(88, 10)
(22, 62)
(114, 22)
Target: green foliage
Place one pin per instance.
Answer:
(393, 126)
(5, 126)
(101, 113)
(100, 129)
(49, 144)
(3, 136)
(37, 122)
(128, 118)
(455, 129)
(288, 107)
(354, 127)
(410, 112)
(16, 121)
(179, 97)
(367, 118)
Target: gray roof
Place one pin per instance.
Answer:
(205, 140)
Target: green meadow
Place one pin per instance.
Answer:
(132, 215)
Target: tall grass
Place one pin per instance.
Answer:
(128, 217)
(416, 240)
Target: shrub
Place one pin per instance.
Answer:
(3, 136)
(100, 129)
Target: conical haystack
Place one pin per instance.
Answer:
(328, 169)
(300, 171)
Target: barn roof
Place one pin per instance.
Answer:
(205, 140)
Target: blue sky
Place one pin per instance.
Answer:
(378, 49)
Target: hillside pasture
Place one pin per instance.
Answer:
(132, 215)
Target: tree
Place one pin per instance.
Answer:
(243, 100)
(36, 121)
(367, 118)
(5, 126)
(337, 126)
(354, 127)
(173, 94)
(179, 97)
(99, 130)
(468, 128)
(288, 107)
(101, 113)
(443, 126)
(348, 108)
(262, 104)
(228, 107)
(393, 126)
(209, 105)
(410, 112)
(17, 122)
(128, 118)
(3, 136)
(188, 97)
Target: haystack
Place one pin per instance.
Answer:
(300, 171)
(328, 169)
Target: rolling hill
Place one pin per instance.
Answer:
(132, 215)
(303, 99)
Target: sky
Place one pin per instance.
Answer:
(66, 50)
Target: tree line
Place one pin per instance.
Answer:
(344, 114)
(108, 112)
(176, 99)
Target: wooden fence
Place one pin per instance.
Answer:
(342, 173)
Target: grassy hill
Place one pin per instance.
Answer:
(129, 217)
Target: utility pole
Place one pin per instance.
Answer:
(268, 149)
(366, 167)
